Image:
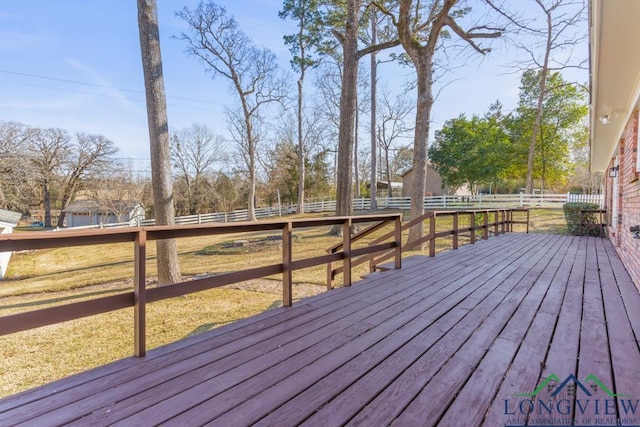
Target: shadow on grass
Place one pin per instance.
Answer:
(209, 326)
(61, 299)
(90, 267)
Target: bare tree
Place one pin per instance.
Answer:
(167, 259)
(14, 171)
(550, 45)
(48, 147)
(420, 27)
(393, 114)
(348, 39)
(306, 15)
(252, 72)
(374, 83)
(89, 155)
(194, 151)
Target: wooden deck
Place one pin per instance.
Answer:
(448, 341)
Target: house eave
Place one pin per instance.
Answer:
(615, 74)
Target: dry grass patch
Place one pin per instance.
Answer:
(42, 355)
(46, 278)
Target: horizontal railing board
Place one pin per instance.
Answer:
(184, 288)
(319, 260)
(62, 313)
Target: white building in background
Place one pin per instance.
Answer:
(8, 220)
(81, 213)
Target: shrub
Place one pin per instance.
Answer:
(590, 225)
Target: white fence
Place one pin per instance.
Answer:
(238, 215)
(480, 201)
(466, 202)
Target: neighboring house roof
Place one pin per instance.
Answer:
(93, 206)
(10, 217)
(405, 172)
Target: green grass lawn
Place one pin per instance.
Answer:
(52, 277)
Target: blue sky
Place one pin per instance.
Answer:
(76, 65)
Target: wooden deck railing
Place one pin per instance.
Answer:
(141, 295)
(502, 222)
(593, 222)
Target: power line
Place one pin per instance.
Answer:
(77, 82)
(108, 96)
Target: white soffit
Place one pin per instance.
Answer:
(615, 73)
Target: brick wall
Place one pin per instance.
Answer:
(628, 178)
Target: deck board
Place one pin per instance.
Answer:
(444, 341)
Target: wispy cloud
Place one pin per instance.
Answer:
(109, 87)
(16, 41)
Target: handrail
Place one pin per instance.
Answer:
(502, 222)
(140, 296)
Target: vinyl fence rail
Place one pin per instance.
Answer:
(479, 201)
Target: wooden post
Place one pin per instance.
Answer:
(485, 226)
(527, 221)
(496, 223)
(287, 273)
(503, 221)
(329, 274)
(140, 293)
(398, 239)
(432, 232)
(455, 230)
(472, 226)
(346, 251)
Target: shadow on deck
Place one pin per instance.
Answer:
(518, 329)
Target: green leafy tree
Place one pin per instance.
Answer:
(561, 128)
(283, 172)
(472, 151)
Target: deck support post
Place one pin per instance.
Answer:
(346, 251)
(472, 226)
(455, 230)
(287, 257)
(398, 242)
(432, 233)
(504, 227)
(485, 226)
(329, 273)
(140, 294)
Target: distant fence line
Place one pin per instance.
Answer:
(471, 201)
(479, 201)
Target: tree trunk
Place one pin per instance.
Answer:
(3, 200)
(423, 118)
(301, 171)
(66, 199)
(46, 203)
(374, 71)
(388, 172)
(251, 202)
(344, 193)
(356, 173)
(167, 259)
(538, 119)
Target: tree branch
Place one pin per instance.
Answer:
(468, 37)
